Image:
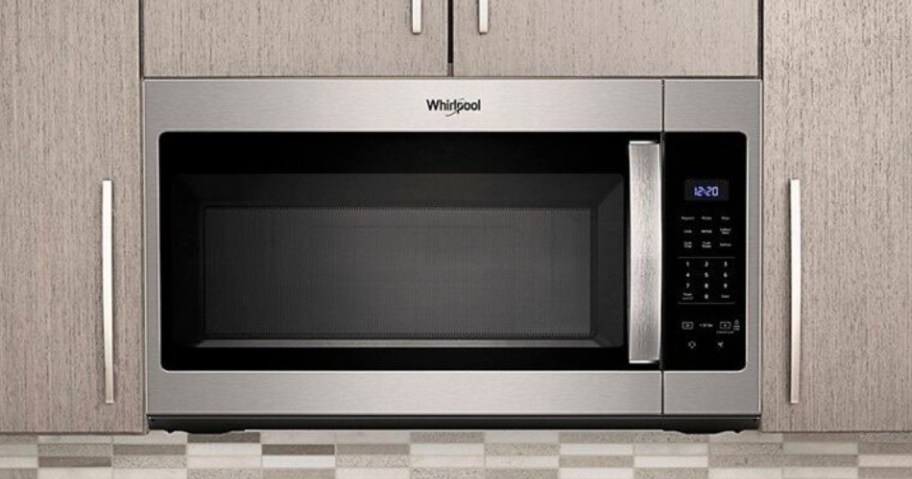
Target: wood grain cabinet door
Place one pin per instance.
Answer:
(644, 38)
(838, 95)
(69, 119)
(232, 38)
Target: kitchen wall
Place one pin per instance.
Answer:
(458, 454)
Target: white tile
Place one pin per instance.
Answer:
(670, 461)
(596, 449)
(521, 437)
(746, 436)
(746, 473)
(14, 462)
(372, 437)
(150, 473)
(224, 462)
(820, 473)
(309, 462)
(223, 449)
(75, 473)
(447, 461)
(522, 462)
(441, 449)
(596, 473)
(297, 437)
(18, 450)
(371, 473)
(154, 437)
(884, 460)
(820, 447)
(679, 449)
(75, 439)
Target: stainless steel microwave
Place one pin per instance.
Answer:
(452, 253)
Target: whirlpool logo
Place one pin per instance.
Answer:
(453, 107)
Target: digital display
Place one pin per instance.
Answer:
(706, 190)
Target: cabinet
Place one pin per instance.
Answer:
(69, 118)
(206, 38)
(649, 38)
(643, 38)
(838, 95)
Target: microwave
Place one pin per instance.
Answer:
(435, 253)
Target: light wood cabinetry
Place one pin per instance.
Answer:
(647, 38)
(231, 38)
(69, 118)
(838, 94)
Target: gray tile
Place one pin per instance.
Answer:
(372, 460)
(149, 450)
(302, 449)
(521, 474)
(886, 437)
(149, 462)
(746, 449)
(447, 473)
(18, 473)
(660, 437)
(885, 448)
(745, 461)
(246, 437)
(597, 437)
(522, 449)
(819, 461)
(671, 473)
(299, 474)
(224, 474)
(74, 462)
(447, 437)
(885, 472)
(596, 461)
(818, 437)
(75, 450)
(365, 449)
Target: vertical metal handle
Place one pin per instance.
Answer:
(644, 314)
(416, 17)
(795, 232)
(107, 287)
(483, 16)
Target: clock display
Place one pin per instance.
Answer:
(706, 190)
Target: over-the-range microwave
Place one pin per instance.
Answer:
(434, 253)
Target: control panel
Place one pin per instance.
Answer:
(705, 251)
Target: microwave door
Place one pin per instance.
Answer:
(644, 281)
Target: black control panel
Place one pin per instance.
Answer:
(705, 251)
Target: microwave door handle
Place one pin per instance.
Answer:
(644, 280)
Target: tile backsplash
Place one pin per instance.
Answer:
(457, 454)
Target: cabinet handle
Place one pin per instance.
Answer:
(644, 313)
(795, 335)
(416, 17)
(482, 16)
(107, 287)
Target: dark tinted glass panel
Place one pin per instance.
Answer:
(393, 251)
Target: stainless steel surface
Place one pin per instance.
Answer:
(483, 16)
(416, 16)
(723, 105)
(387, 105)
(644, 276)
(107, 287)
(795, 333)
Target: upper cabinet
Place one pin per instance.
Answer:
(522, 38)
(71, 338)
(236, 38)
(838, 95)
(605, 38)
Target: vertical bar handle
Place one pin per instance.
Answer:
(644, 281)
(795, 334)
(107, 287)
(416, 17)
(483, 20)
